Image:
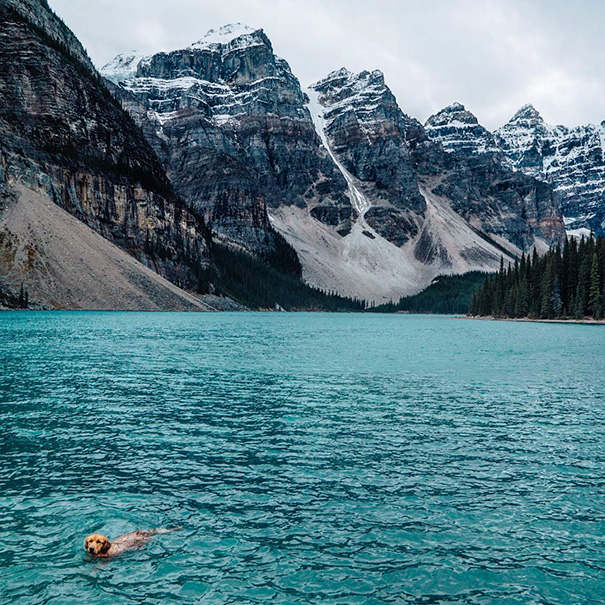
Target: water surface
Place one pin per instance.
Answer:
(309, 458)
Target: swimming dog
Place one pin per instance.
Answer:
(101, 546)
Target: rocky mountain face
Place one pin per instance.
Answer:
(571, 160)
(360, 191)
(39, 15)
(459, 131)
(486, 190)
(368, 134)
(228, 119)
(396, 161)
(420, 211)
(65, 138)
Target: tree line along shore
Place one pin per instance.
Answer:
(567, 283)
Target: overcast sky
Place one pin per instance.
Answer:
(491, 55)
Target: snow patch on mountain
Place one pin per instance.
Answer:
(572, 160)
(225, 35)
(123, 67)
(182, 79)
(361, 94)
(226, 39)
(358, 200)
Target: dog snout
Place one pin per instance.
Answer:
(91, 549)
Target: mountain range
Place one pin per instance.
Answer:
(170, 158)
(372, 205)
(571, 160)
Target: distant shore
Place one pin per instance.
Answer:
(585, 322)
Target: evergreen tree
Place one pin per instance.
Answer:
(580, 302)
(594, 293)
(547, 293)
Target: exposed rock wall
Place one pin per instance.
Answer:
(394, 156)
(369, 134)
(62, 134)
(228, 119)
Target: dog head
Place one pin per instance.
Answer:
(97, 545)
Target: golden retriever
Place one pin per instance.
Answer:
(101, 546)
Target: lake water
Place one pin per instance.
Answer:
(309, 458)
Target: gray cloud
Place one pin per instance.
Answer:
(491, 55)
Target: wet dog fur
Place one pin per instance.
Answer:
(99, 545)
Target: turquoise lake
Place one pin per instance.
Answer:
(310, 458)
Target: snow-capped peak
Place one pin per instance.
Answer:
(343, 72)
(224, 35)
(343, 78)
(337, 76)
(455, 106)
(458, 130)
(527, 112)
(455, 114)
(123, 67)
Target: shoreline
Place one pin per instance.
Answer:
(585, 322)
(582, 322)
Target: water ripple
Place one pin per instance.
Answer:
(310, 458)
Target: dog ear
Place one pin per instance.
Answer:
(106, 546)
